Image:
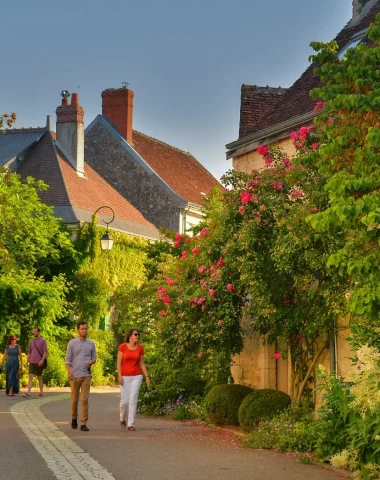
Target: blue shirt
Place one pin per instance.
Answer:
(78, 353)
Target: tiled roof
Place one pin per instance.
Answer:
(75, 197)
(92, 191)
(15, 141)
(255, 103)
(178, 169)
(296, 101)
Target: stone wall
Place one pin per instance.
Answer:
(105, 154)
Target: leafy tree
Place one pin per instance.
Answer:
(8, 119)
(349, 159)
(35, 250)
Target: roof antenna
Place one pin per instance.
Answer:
(124, 84)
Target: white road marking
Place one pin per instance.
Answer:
(66, 459)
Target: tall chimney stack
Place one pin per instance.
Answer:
(117, 107)
(70, 131)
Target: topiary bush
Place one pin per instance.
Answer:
(261, 405)
(222, 403)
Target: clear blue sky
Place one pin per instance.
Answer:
(185, 61)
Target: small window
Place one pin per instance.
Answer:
(355, 40)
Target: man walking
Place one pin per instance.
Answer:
(80, 356)
(37, 352)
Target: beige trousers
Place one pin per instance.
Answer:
(80, 386)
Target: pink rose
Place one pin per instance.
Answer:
(211, 292)
(268, 161)
(176, 243)
(314, 209)
(200, 355)
(277, 355)
(263, 150)
(162, 291)
(178, 237)
(167, 299)
(201, 269)
(230, 287)
(162, 313)
(286, 162)
(277, 186)
(294, 136)
(170, 281)
(204, 232)
(241, 209)
(314, 146)
(195, 250)
(221, 262)
(245, 197)
(318, 106)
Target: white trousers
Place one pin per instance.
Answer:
(129, 394)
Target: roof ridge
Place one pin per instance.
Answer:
(163, 143)
(25, 130)
(266, 89)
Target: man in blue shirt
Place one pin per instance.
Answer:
(80, 356)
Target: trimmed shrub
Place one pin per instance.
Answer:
(261, 405)
(222, 403)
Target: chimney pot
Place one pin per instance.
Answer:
(65, 101)
(74, 99)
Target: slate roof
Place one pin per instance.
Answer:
(296, 101)
(76, 198)
(16, 140)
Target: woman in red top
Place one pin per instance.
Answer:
(130, 370)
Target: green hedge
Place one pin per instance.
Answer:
(261, 405)
(222, 403)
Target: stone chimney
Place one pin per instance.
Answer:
(358, 7)
(70, 131)
(117, 107)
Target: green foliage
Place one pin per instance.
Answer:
(349, 160)
(104, 370)
(291, 430)
(172, 388)
(55, 375)
(222, 403)
(260, 405)
(36, 258)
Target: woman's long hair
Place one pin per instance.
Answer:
(128, 335)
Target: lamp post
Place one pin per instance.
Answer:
(106, 241)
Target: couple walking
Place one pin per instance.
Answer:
(80, 357)
(37, 352)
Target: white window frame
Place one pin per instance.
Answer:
(355, 40)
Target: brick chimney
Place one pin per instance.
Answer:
(70, 132)
(117, 107)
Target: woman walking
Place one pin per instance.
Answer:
(12, 357)
(130, 369)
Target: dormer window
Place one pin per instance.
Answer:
(354, 41)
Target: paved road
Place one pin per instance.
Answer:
(37, 442)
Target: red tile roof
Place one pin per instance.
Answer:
(178, 169)
(255, 104)
(92, 191)
(66, 188)
(296, 101)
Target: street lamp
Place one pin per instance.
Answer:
(106, 241)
